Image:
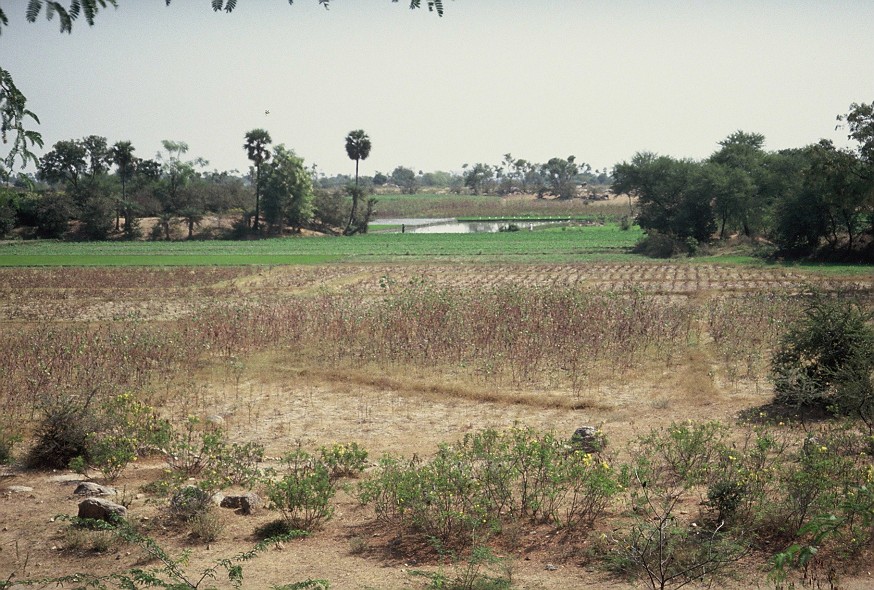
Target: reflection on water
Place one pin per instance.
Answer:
(451, 226)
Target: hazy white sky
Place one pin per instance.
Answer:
(537, 78)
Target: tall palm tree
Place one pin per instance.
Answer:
(122, 155)
(256, 144)
(358, 148)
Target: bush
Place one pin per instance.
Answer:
(207, 525)
(206, 454)
(52, 213)
(344, 460)
(189, 501)
(659, 245)
(825, 360)
(304, 493)
(465, 492)
(123, 430)
(62, 435)
(97, 217)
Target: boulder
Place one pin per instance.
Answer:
(588, 439)
(89, 488)
(246, 503)
(100, 509)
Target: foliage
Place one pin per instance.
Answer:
(826, 358)
(63, 432)
(479, 178)
(256, 144)
(96, 214)
(343, 460)
(406, 179)
(288, 191)
(204, 453)
(123, 429)
(303, 493)
(13, 111)
(466, 491)
(53, 212)
(657, 544)
(559, 175)
(189, 501)
(673, 195)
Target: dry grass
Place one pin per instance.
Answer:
(252, 346)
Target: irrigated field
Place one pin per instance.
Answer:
(398, 357)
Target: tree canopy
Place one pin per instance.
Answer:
(67, 15)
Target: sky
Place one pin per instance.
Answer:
(600, 79)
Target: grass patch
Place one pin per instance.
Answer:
(559, 244)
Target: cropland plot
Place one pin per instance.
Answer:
(655, 277)
(398, 357)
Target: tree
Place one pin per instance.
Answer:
(13, 112)
(256, 144)
(90, 8)
(845, 192)
(742, 199)
(559, 176)
(357, 148)
(673, 195)
(860, 121)
(406, 179)
(288, 190)
(479, 178)
(122, 155)
(64, 164)
(176, 175)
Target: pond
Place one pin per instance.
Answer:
(453, 226)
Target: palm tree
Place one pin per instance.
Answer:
(256, 144)
(358, 148)
(122, 155)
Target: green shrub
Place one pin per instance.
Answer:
(303, 494)
(188, 502)
(124, 430)
(344, 460)
(467, 491)
(826, 359)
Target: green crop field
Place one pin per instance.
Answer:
(603, 243)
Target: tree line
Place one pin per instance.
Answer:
(98, 191)
(813, 200)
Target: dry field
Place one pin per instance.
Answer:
(398, 358)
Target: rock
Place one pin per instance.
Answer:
(588, 439)
(19, 489)
(66, 478)
(100, 509)
(89, 488)
(246, 503)
(550, 567)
